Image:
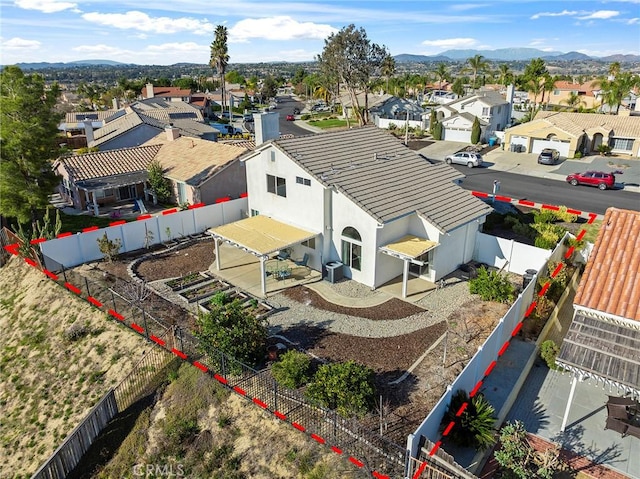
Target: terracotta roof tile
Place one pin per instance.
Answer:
(109, 163)
(611, 280)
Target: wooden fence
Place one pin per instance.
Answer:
(68, 455)
(142, 379)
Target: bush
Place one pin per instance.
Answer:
(549, 351)
(492, 286)
(292, 370)
(231, 329)
(346, 387)
(437, 131)
(548, 236)
(578, 155)
(109, 248)
(305, 117)
(543, 216)
(474, 428)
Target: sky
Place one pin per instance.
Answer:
(173, 31)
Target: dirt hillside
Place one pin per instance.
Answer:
(58, 356)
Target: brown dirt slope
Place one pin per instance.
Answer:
(58, 357)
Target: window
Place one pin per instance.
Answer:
(99, 193)
(182, 192)
(277, 185)
(310, 243)
(485, 111)
(624, 144)
(421, 269)
(352, 248)
(303, 181)
(255, 212)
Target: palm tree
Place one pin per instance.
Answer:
(388, 68)
(614, 69)
(615, 90)
(505, 74)
(441, 72)
(547, 87)
(474, 428)
(220, 57)
(477, 63)
(573, 101)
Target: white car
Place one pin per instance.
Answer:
(465, 158)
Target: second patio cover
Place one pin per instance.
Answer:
(408, 248)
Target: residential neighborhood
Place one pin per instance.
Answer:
(372, 264)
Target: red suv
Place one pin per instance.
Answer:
(593, 178)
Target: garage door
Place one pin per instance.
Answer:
(561, 146)
(457, 135)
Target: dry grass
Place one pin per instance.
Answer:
(59, 356)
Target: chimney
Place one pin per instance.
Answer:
(266, 127)
(149, 90)
(116, 104)
(510, 93)
(173, 133)
(88, 131)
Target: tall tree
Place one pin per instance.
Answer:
(533, 76)
(505, 74)
(354, 59)
(388, 68)
(616, 89)
(28, 129)
(573, 101)
(441, 72)
(476, 63)
(220, 57)
(548, 84)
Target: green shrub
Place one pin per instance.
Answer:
(578, 155)
(346, 387)
(474, 428)
(543, 216)
(549, 351)
(292, 370)
(492, 286)
(563, 215)
(549, 235)
(437, 131)
(220, 298)
(305, 117)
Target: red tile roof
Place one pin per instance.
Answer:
(586, 88)
(170, 91)
(611, 279)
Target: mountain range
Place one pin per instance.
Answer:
(511, 54)
(501, 54)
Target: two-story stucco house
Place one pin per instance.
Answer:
(362, 198)
(491, 108)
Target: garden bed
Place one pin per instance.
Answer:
(204, 291)
(185, 282)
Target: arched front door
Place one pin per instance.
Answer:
(597, 141)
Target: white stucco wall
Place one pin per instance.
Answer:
(456, 247)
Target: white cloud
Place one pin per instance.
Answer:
(17, 43)
(278, 28)
(46, 6)
(633, 21)
(563, 13)
(600, 15)
(448, 43)
(460, 7)
(134, 20)
(166, 53)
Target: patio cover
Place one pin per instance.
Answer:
(261, 235)
(606, 352)
(408, 247)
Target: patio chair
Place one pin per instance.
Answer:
(617, 425)
(632, 431)
(303, 261)
(283, 255)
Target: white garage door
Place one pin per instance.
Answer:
(561, 146)
(457, 135)
(520, 140)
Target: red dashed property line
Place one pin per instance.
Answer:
(356, 462)
(30, 262)
(544, 289)
(480, 194)
(201, 366)
(72, 288)
(526, 203)
(569, 252)
(169, 212)
(259, 403)
(220, 379)
(117, 223)
(64, 235)
(475, 389)
(157, 340)
(178, 353)
(94, 301)
(505, 199)
(504, 348)
(337, 450)
(317, 438)
(198, 205)
(138, 328)
(592, 218)
(90, 228)
(299, 427)
(116, 315)
(239, 390)
(550, 207)
(279, 415)
(38, 240)
(143, 217)
(557, 270)
(377, 475)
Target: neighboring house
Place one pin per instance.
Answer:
(491, 109)
(603, 341)
(97, 179)
(360, 197)
(167, 93)
(395, 110)
(570, 133)
(134, 128)
(370, 101)
(563, 90)
(202, 171)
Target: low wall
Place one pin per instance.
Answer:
(513, 256)
(81, 248)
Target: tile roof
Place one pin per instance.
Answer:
(170, 91)
(611, 279)
(108, 163)
(578, 123)
(383, 177)
(588, 87)
(193, 160)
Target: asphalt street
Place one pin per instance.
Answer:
(550, 191)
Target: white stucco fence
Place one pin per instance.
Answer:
(80, 248)
(400, 124)
(488, 352)
(513, 256)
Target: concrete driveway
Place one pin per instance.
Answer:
(439, 149)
